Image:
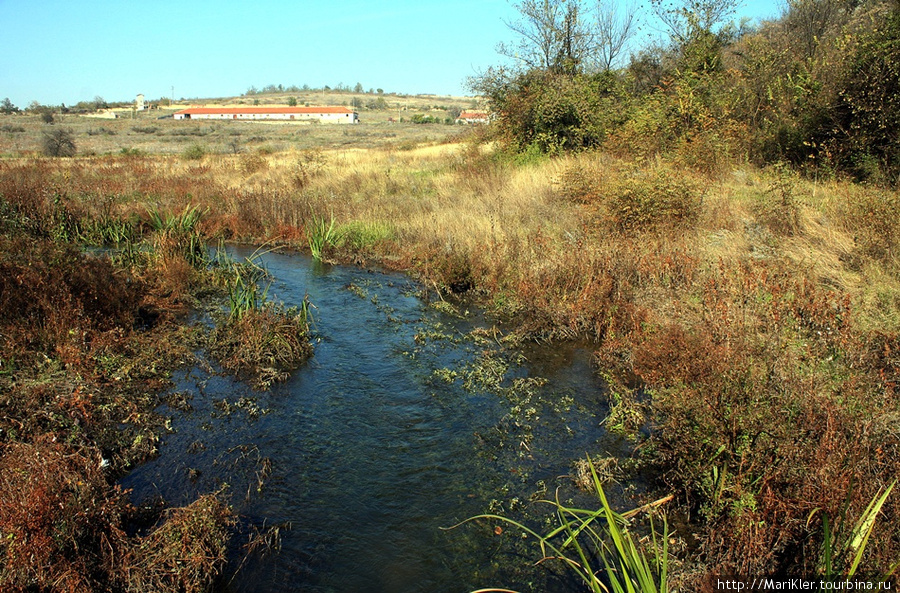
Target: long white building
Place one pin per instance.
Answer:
(335, 115)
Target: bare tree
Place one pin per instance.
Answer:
(808, 21)
(688, 20)
(59, 143)
(552, 34)
(615, 25)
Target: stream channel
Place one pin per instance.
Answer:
(409, 417)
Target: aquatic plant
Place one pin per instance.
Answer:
(259, 339)
(242, 283)
(847, 549)
(179, 234)
(321, 235)
(600, 547)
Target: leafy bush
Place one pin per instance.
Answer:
(194, 152)
(554, 112)
(651, 198)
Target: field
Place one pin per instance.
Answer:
(146, 132)
(746, 319)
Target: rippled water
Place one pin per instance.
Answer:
(403, 422)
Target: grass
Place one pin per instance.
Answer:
(748, 318)
(260, 340)
(322, 236)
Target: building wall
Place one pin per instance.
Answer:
(338, 118)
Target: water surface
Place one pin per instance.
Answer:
(407, 419)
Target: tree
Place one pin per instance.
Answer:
(292, 101)
(689, 20)
(59, 143)
(614, 26)
(7, 107)
(553, 36)
(808, 21)
(358, 88)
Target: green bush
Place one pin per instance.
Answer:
(553, 112)
(194, 152)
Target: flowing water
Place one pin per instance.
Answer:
(410, 417)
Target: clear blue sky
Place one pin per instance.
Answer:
(57, 51)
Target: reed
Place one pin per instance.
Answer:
(321, 235)
(842, 553)
(600, 546)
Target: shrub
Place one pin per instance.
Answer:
(194, 152)
(59, 143)
(764, 414)
(252, 163)
(651, 198)
(551, 111)
(59, 518)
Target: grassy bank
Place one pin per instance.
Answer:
(746, 319)
(87, 347)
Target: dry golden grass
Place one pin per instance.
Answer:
(758, 286)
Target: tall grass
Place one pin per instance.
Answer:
(242, 282)
(180, 233)
(842, 553)
(321, 235)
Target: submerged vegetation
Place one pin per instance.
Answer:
(601, 547)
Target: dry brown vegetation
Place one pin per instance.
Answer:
(749, 318)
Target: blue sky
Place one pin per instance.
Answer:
(68, 51)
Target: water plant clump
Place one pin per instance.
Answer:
(600, 547)
(260, 340)
(321, 236)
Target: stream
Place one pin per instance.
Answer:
(410, 417)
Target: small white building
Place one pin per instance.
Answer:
(139, 103)
(470, 116)
(335, 115)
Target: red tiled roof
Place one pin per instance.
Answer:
(468, 114)
(239, 110)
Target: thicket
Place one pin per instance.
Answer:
(817, 88)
